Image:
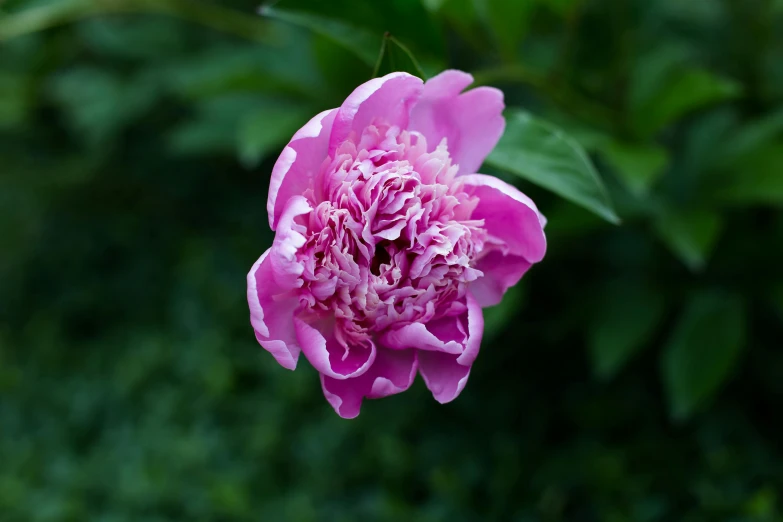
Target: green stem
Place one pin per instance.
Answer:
(408, 52)
(65, 12)
(377, 67)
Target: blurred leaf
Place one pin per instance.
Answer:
(752, 137)
(690, 235)
(637, 166)
(707, 136)
(653, 69)
(137, 38)
(757, 180)
(508, 20)
(559, 6)
(15, 99)
(776, 296)
(589, 137)
(215, 126)
(54, 13)
(626, 317)
(686, 91)
(263, 131)
(541, 154)
(434, 5)
(224, 69)
(99, 105)
(362, 43)
(462, 16)
(702, 350)
(407, 20)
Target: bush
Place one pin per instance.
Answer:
(634, 375)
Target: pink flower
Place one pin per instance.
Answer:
(387, 243)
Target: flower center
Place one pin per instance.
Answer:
(390, 240)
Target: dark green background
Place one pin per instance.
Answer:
(635, 375)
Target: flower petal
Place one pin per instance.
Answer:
(440, 335)
(501, 272)
(271, 313)
(328, 355)
(388, 99)
(392, 372)
(299, 163)
(513, 219)
(446, 374)
(288, 239)
(472, 123)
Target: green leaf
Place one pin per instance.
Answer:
(55, 13)
(263, 131)
(637, 166)
(653, 69)
(508, 20)
(15, 99)
(752, 137)
(362, 43)
(542, 154)
(99, 105)
(757, 180)
(702, 350)
(215, 126)
(690, 235)
(686, 91)
(625, 319)
(224, 69)
(433, 5)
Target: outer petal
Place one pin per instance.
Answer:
(392, 372)
(387, 99)
(513, 219)
(289, 238)
(299, 163)
(472, 123)
(271, 313)
(446, 374)
(330, 357)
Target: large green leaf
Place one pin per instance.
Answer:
(540, 153)
(702, 350)
(625, 318)
(690, 235)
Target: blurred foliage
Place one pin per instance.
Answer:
(635, 375)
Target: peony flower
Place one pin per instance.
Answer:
(388, 243)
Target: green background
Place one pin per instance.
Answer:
(636, 374)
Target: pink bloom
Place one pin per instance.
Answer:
(387, 243)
